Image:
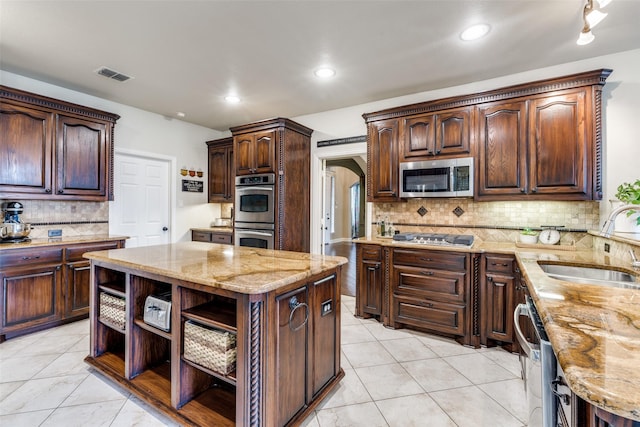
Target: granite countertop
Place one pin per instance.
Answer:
(63, 240)
(239, 269)
(217, 229)
(594, 330)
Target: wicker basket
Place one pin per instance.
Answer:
(212, 348)
(112, 309)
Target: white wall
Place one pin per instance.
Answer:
(147, 132)
(621, 109)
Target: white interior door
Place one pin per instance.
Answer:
(329, 206)
(141, 207)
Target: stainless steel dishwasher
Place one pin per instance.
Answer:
(538, 364)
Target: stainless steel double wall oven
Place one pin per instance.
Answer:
(255, 211)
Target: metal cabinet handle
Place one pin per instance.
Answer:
(565, 398)
(504, 264)
(427, 273)
(294, 304)
(425, 259)
(26, 258)
(531, 350)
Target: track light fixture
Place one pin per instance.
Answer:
(591, 16)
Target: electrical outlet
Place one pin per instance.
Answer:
(55, 233)
(325, 308)
(607, 247)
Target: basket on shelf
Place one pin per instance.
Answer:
(112, 309)
(212, 348)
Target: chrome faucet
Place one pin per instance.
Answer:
(610, 223)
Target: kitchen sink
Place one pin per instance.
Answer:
(591, 275)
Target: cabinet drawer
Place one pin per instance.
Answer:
(447, 286)
(499, 264)
(221, 238)
(437, 316)
(74, 253)
(200, 236)
(371, 252)
(17, 257)
(431, 259)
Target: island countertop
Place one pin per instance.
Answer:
(234, 268)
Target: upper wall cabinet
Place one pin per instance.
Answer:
(255, 152)
(222, 173)
(51, 149)
(442, 134)
(535, 141)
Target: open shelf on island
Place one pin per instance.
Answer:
(215, 313)
(153, 329)
(114, 288)
(229, 378)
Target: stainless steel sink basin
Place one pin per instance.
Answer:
(591, 275)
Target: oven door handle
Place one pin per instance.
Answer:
(531, 350)
(265, 188)
(256, 233)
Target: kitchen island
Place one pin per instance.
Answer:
(275, 313)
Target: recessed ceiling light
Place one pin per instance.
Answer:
(475, 32)
(180, 114)
(232, 99)
(324, 72)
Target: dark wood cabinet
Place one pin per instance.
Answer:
(283, 147)
(43, 287)
(212, 236)
(536, 148)
(430, 290)
(54, 149)
(221, 171)
(369, 285)
(534, 141)
(499, 299)
(382, 162)
(255, 153)
(442, 134)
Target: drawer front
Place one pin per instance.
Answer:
(200, 236)
(431, 259)
(437, 316)
(371, 252)
(18, 257)
(499, 264)
(431, 284)
(75, 252)
(224, 238)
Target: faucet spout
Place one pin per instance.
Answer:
(610, 223)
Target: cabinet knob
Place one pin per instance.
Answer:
(164, 228)
(60, 191)
(534, 189)
(47, 190)
(522, 190)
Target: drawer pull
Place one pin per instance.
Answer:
(499, 284)
(373, 268)
(426, 304)
(503, 264)
(27, 258)
(425, 259)
(427, 273)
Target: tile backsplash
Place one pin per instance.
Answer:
(73, 218)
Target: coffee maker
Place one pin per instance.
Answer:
(12, 228)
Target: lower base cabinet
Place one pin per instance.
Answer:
(45, 286)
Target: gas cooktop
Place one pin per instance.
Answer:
(436, 239)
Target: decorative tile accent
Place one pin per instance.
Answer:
(422, 211)
(458, 211)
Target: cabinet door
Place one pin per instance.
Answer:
(418, 136)
(371, 286)
(559, 148)
(502, 152)
(453, 130)
(81, 158)
(382, 169)
(243, 148)
(325, 354)
(231, 175)
(499, 294)
(218, 175)
(265, 152)
(25, 150)
(77, 296)
(30, 297)
(292, 312)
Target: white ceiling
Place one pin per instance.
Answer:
(187, 55)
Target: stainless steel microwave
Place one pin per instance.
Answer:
(437, 178)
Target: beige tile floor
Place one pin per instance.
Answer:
(394, 378)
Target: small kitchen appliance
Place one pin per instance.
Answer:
(157, 311)
(437, 178)
(12, 228)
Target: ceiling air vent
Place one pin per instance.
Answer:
(112, 74)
